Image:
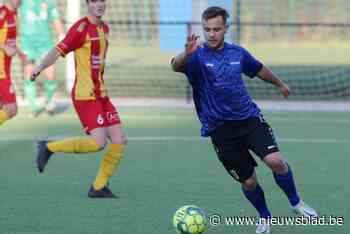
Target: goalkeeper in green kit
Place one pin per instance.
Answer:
(40, 28)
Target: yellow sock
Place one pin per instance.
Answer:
(74, 145)
(108, 165)
(3, 116)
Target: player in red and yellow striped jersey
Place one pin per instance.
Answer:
(8, 34)
(88, 38)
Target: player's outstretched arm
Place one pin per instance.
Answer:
(178, 63)
(267, 75)
(48, 60)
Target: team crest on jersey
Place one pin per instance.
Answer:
(81, 27)
(112, 116)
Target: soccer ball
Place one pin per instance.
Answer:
(190, 219)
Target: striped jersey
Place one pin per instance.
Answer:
(89, 42)
(219, 92)
(8, 33)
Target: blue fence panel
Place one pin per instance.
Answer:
(173, 36)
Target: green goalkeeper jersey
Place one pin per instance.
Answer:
(35, 18)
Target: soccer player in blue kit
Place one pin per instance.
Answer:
(229, 116)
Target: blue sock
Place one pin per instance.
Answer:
(257, 199)
(286, 183)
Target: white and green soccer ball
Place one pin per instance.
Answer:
(190, 219)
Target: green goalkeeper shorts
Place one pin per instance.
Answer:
(35, 50)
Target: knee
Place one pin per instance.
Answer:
(250, 183)
(123, 140)
(279, 167)
(276, 163)
(12, 112)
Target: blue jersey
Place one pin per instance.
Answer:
(219, 93)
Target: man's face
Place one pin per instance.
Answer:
(97, 8)
(214, 30)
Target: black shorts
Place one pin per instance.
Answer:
(233, 139)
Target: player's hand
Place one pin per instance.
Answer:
(35, 73)
(191, 44)
(285, 90)
(10, 50)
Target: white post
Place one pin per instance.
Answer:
(73, 14)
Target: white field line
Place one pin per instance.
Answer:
(182, 138)
(269, 119)
(155, 118)
(309, 106)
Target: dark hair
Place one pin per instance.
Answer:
(215, 11)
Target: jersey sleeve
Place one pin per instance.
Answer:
(192, 67)
(250, 65)
(74, 39)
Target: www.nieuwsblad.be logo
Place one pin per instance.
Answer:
(217, 219)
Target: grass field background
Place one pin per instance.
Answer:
(166, 165)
